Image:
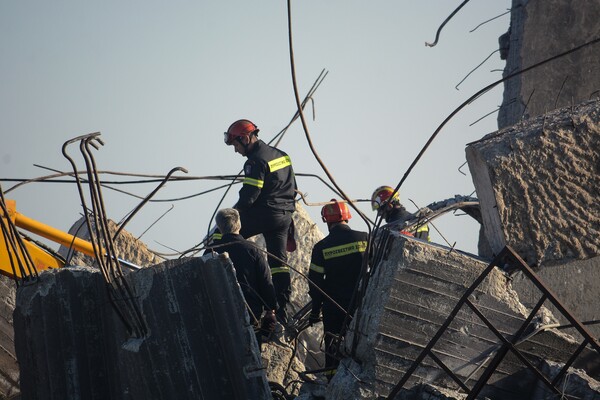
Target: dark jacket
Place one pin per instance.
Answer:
(399, 213)
(252, 272)
(335, 266)
(269, 179)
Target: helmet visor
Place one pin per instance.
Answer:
(226, 138)
(376, 203)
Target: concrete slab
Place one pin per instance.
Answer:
(70, 342)
(538, 185)
(410, 294)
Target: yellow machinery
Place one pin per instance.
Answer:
(41, 258)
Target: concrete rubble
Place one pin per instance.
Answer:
(285, 356)
(538, 181)
(409, 296)
(411, 292)
(9, 368)
(129, 248)
(538, 185)
(72, 344)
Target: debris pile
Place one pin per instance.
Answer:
(129, 248)
(432, 322)
(411, 293)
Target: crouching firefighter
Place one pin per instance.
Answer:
(335, 269)
(251, 270)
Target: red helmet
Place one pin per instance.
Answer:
(335, 212)
(241, 127)
(381, 194)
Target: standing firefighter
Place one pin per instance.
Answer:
(335, 268)
(266, 201)
(390, 208)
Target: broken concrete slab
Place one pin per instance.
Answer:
(278, 354)
(410, 294)
(72, 344)
(408, 298)
(538, 185)
(128, 247)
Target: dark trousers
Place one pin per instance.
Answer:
(333, 321)
(274, 225)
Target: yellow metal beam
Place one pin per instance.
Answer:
(41, 258)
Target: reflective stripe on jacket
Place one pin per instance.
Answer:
(269, 179)
(336, 264)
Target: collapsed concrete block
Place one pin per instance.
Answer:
(71, 343)
(538, 185)
(128, 247)
(276, 357)
(410, 294)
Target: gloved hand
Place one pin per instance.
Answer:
(269, 322)
(314, 317)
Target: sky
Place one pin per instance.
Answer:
(163, 80)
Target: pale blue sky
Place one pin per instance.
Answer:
(162, 80)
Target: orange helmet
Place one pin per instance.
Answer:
(335, 212)
(241, 127)
(382, 194)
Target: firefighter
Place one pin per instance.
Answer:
(335, 268)
(252, 272)
(266, 201)
(390, 208)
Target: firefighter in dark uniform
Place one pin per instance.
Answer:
(266, 201)
(251, 270)
(335, 268)
(390, 208)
